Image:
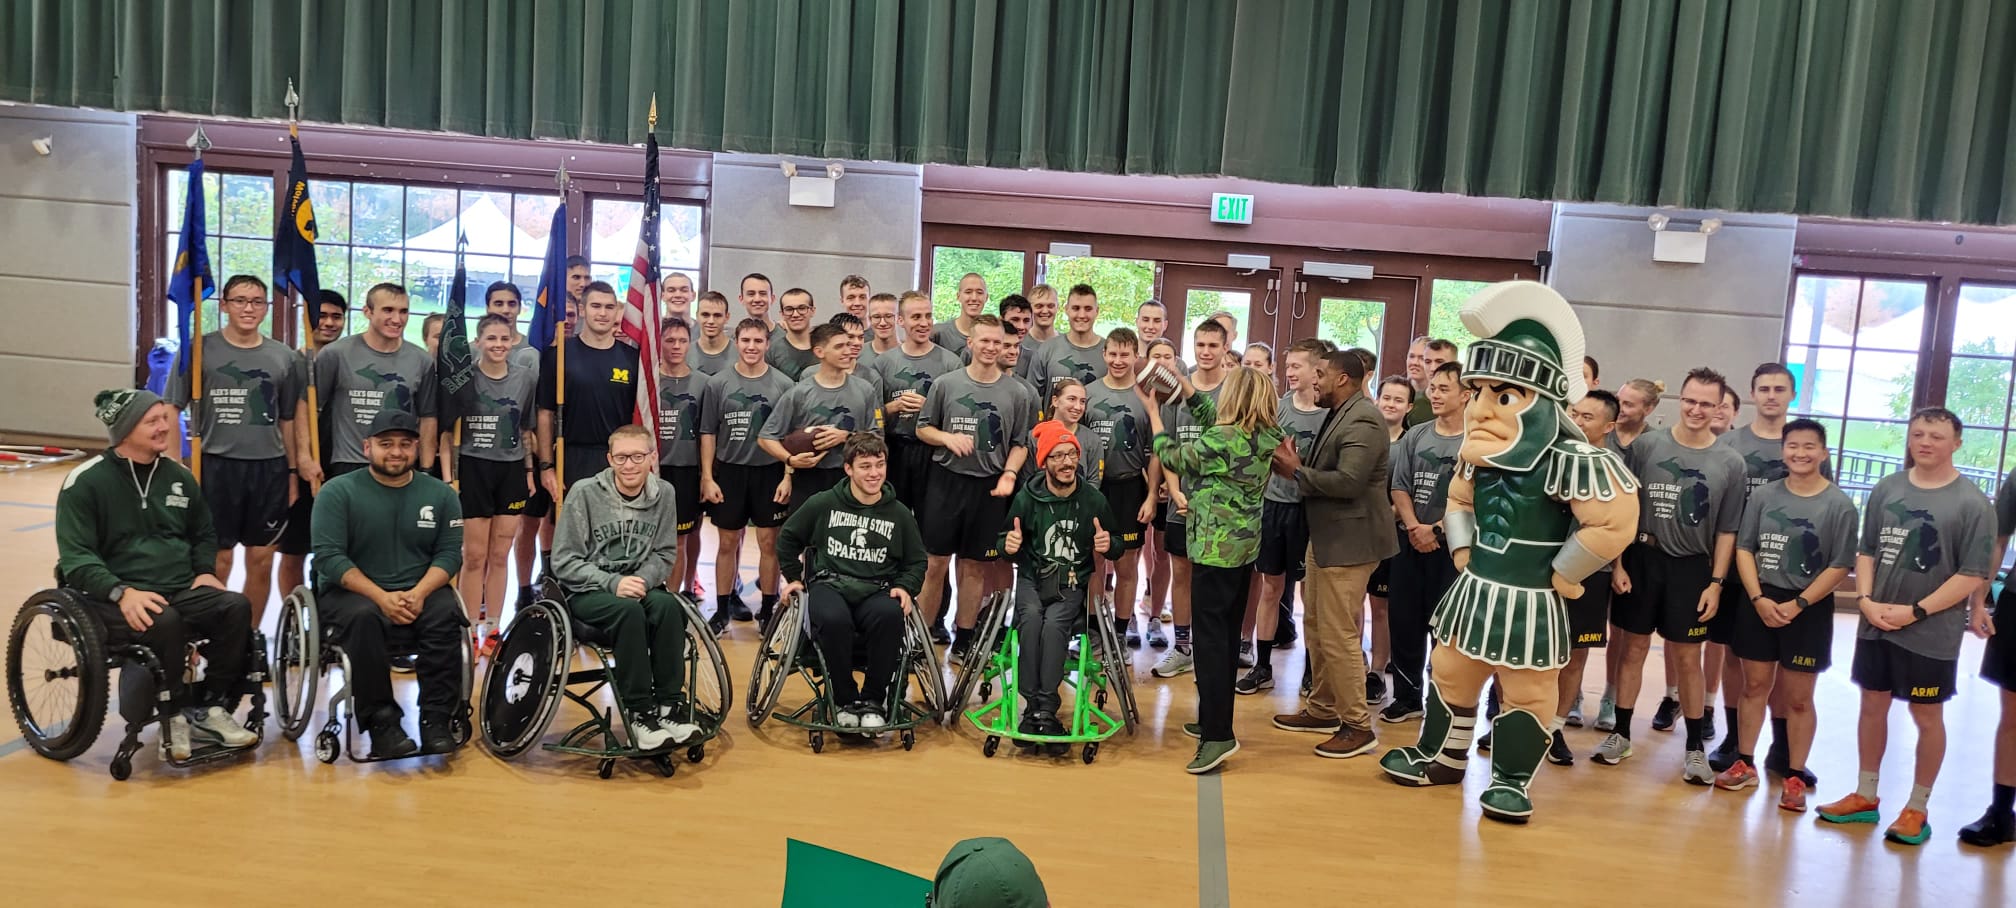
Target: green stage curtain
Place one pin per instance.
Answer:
(1873, 108)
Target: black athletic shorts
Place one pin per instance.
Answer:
(541, 502)
(294, 537)
(1882, 665)
(807, 483)
(1805, 645)
(1589, 614)
(492, 488)
(910, 471)
(1665, 595)
(1125, 495)
(248, 500)
(1162, 515)
(748, 496)
(965, 519)
(1722, 627)
(340, 469)
(1381, 583)
(685, 495)
(582, 462)
(1998, 661)
(1176, 539)
(1284, 540)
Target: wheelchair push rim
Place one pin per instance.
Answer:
(296, 662)
(57, 676)
(776, 659)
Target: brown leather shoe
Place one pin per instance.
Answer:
(1348, 742)
(1303, 721)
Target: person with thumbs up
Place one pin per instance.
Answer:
(1055, 525)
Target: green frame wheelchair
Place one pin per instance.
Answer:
(534, 669)
(302, 652)
(1096, 674)
(788, 651)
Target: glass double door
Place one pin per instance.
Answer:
(1278, 308)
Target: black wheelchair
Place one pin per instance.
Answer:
(60, 655)
(533, 670)
(302, 653)
(789, 650)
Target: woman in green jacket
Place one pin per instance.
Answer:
(1224, 470)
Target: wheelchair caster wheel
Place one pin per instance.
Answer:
(993, 744)
(818, 741)
(1099, 699)
(696, 753)
(327, 747)
(986, 689)
(461, 729)
(1091, 753)
(122, 761)
(606, 769)
(909, 739)
(665, 766)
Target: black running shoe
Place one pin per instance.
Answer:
(1724, 754)
(1996, 827)
(404, 663)
(741, 612)
(436, 737)
(940, 636)
(1776, 760)
(1558, 752)
(388, 740)
(1375, 688)
(1669, 710)
(1708, 726)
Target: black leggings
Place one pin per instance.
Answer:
(220, 616)
(878, 619)
(1217, 602)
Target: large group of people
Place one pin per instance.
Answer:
(890, 462)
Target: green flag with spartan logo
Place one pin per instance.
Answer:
(455, 365)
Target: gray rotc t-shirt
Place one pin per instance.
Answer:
(947, 335)
(997, 415)
(1302, 426)
(1795, 538)
(1920, 539)
(524, 357)
(246, 393)
(792, 360)
(353, 382)
(1060, 358)
(1185, 429)
(734, 408)
(1763, 458)
(707, 363)
(494, 427)
(1025, 365)
(1122, 423)
(1423, 460)
(902, 372)
(1687, 496)
(853, 406)
(679, 418)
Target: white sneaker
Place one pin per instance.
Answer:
(1174, 662)
(214, 724)
(872, 721)
(1696, 770)
(847, 718)
(1245, 654)
(178, 737)
(681, 732)
(647, 735)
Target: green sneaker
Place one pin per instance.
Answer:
(1194, 730)
(1211, 755)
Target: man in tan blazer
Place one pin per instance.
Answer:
(1343, 492)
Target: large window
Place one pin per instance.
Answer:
(612, 241)
(239, 208)
(1002, 270)
(1123, 284)
(1445, 306)
(1978, 375)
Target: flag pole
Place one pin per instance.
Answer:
(560, 380)
(198, 141)
(309, 310)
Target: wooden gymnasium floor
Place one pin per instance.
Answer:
(1278, 827)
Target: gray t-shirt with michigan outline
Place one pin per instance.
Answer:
(1302, 426)
(1920, 539)
(679, 418)
(353, 382)
(1687, 496)
(734, 408)
(1794, 538)
(902, 372)
(1122, 422)
(494, 427)
(1763, 458)
(852, 406)
(1423, 461)
(246, 393)
(997, 415)
(1058, 357)
(711, 363)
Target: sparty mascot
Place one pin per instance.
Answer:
(1533, 509)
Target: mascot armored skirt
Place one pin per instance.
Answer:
(1534, 508)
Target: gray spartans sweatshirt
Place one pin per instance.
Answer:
(603, 537)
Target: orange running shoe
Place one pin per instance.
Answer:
(1794, 797)
(1737, 777)
(489, 645)
(1910, 828)
(1852, 809)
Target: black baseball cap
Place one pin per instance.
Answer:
(391, 420)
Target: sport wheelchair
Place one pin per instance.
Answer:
(302, 652)
(59, 658)
(1098, 667)
(788, 649)
(533, 669)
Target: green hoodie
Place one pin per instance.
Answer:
(603, 537)
(107, 535)
(1224, 473)
(1057, 531)
(861, 549)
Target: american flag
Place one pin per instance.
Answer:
(640, 305)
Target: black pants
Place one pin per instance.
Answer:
(1043, 630)
(878, 620)
(369, 638)
(220, 616)
(1418, 580)
(1217, 603)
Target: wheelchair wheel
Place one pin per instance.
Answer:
(1113, 661)
(57, 677)
(924, 664)
(986, 638)
(297, 662)
(526, 678)
(776, 659)
(708, 687)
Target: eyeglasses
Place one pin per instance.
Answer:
(1056, 456)
(247, 302)
(797, 310)
(1686, 404)
(641, 457)
(882, 318)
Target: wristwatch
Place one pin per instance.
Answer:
(1801, 602)
(1918, 611)
(545, 465)
(119, 592)
(1717, 581)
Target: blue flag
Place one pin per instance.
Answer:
(190, 282)
(549, 305)
(294, 242)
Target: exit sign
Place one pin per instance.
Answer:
(1230, 208)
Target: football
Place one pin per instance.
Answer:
(799, 442)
